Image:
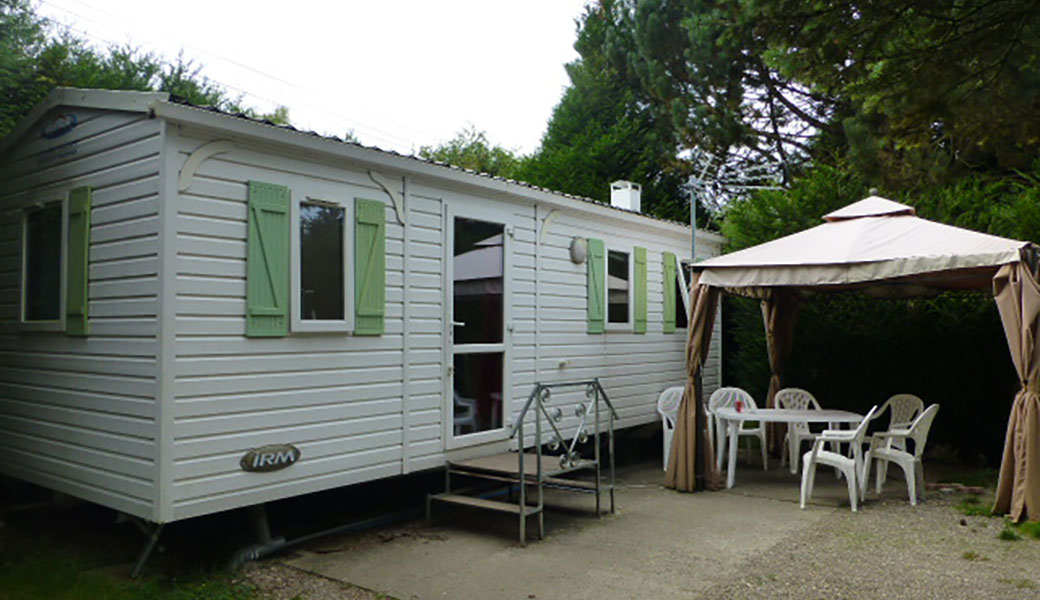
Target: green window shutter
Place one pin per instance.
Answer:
(669, 292)
(369, 266)
(596, 266)
(78, 262)
(267, 261)
(639, 323)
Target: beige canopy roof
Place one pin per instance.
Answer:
(874, 240)
(878, 246)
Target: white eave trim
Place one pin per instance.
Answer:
(80, 98)
(234, 126)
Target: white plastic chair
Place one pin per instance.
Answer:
(903, 409)
(884, 450)
(465, 414)
(668, 407)
(725, 397)
(853, 468)
(795, 399)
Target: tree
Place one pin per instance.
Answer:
(941, 87)
(703, 66)
(470, 149)
(603, 130)
(35, 57)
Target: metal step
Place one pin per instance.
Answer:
(484, 503)
(506, 465)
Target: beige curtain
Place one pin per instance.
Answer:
(1017, 293)
(778, 312)
(690, 425)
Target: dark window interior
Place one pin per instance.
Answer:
(43, 263)
(321, 261)
(617, 287)
(478, 281)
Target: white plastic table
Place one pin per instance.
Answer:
(733, 419)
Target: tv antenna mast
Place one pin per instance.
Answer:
(717, 179)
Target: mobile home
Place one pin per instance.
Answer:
(182, 288)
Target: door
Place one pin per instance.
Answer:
(477, 335)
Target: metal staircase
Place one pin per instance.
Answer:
(532, 468)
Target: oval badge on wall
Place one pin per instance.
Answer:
(59, 126)
(269, 458)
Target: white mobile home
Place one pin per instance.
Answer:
(181, 286)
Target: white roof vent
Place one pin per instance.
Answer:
(626, 195)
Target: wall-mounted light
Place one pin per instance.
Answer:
(579, 250)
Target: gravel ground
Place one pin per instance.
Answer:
(893, 550)
(275, 580)
(887, 550)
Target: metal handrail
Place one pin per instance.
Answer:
(539, 395)
(538, 387)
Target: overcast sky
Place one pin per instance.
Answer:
(399, 73)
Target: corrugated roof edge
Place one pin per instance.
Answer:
(178, 100)
(138, 101)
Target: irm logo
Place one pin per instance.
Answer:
(270, 458)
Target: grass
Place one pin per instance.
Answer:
(973, 556)
(45, 573)
(973, 506)
(1014, 532)
(1008, 534)
(1030, 528)
(1022, 584)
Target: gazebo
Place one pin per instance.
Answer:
(881, 248)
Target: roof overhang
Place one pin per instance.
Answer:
(234, 128)
(140, 102)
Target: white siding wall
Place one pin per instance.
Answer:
(362, 408)
(335, 396)
(633, 368)
(78, 415)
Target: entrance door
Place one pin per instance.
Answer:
(477, 337)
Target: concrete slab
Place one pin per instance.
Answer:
(660, 544)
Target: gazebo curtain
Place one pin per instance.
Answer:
(684, 464)
(1017, 293)
(778, 313)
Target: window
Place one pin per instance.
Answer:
(681, 310)
(618, 287)
(321, 262)
(478, 281)
(42, 273)
(321, 292)
(478, 303)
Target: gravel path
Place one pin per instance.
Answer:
(893, 550)
(887, 550)
(275, 580)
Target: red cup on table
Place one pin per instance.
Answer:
(739, 405)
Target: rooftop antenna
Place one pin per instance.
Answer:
(717, 179)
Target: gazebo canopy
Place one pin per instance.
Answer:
(874, 243)
(882, 248)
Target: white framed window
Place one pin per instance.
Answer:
(682, 279)
(321, 265)
(619, 290)
(44, 227)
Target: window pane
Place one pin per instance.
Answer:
(43, 264)
(680, 308)
(478, 393)
(321, 261)
(617, 287)
(478, 281)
